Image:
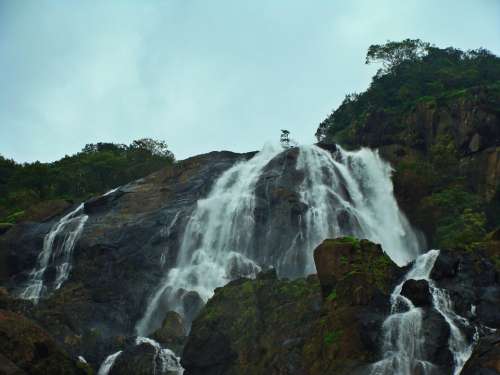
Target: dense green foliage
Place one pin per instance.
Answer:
(417, 84)
(412, 71)
(94, 170)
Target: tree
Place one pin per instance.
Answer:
(285, 138)
(151, 147)
(392, 54)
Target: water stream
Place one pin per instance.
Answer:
(57, 252)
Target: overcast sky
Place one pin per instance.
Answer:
(202, 75)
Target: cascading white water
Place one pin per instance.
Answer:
(218, 240)
(108, 363)
(357, 184)
(403, 345)
(57, 250)
(458, 343)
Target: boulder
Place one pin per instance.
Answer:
(347, 258)
(418, 292)
(172, 332)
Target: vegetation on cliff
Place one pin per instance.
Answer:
(95, 169)
(434, 113)
(413, 72)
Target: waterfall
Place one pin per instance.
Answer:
(164, 360)
(346, 193)
(403, 341)
(57, 250)
(216, 238)
(351, 193)
(108, 363)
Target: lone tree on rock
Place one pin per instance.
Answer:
(285, 138)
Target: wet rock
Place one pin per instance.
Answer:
(418, 292)
(332, 147)
(436, 333)
(172, 332)
(192, 304)
(145, 358)
(102, 202)
(485, 359)
(446, 266)
(471, 279)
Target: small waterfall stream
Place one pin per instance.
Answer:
(403, 341)
(57, 251)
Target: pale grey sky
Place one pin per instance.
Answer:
(202, 75)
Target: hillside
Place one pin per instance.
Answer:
(435, 114)
(96, 169)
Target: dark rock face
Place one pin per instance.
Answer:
(278, 205)
(473, 283)
(418, 292)
(485, 359)
(436, 333)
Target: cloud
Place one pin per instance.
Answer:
(201, 75)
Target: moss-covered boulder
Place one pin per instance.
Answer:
(347, 260)
(254, 327)
(356, 278)
(27, 346)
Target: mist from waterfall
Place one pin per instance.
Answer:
(346, 193)
(57, 252)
